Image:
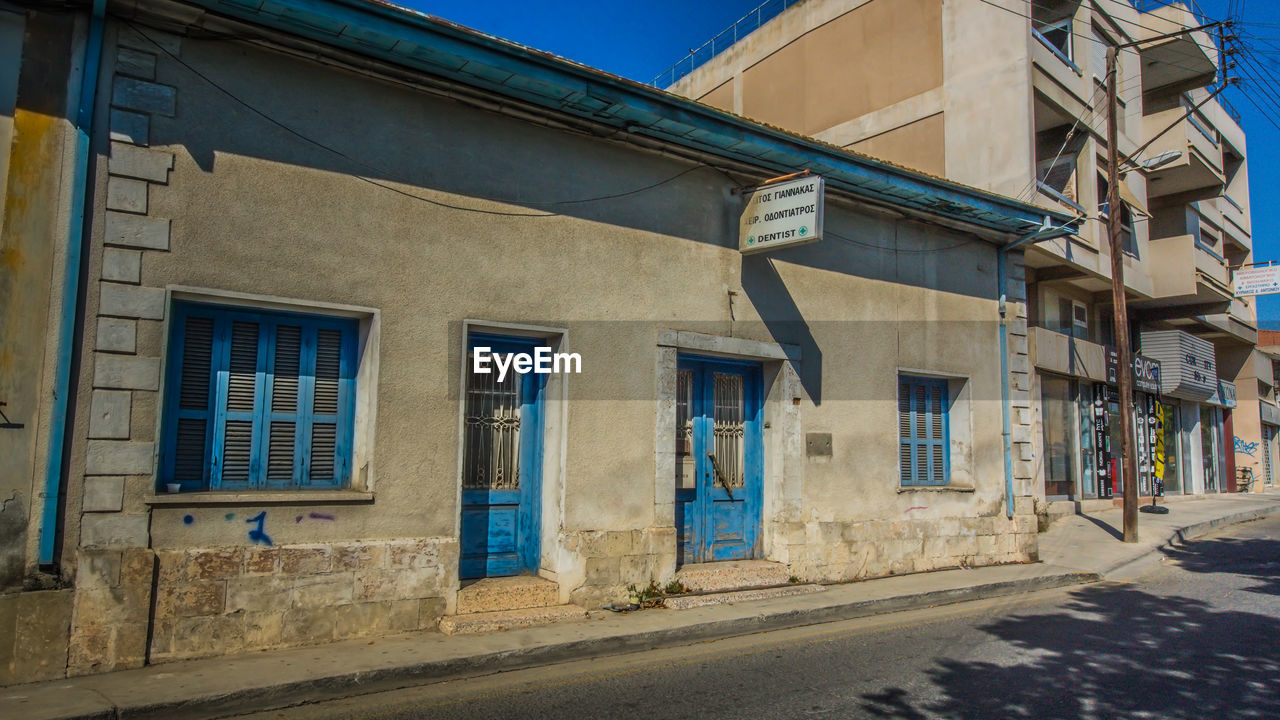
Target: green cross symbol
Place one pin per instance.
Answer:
(804, 230)
(751, 240)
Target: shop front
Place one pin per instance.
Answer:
(1190, 414)
(1270, 427)
(1147, 423)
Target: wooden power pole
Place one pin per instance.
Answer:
(1124, 376)
(1129, 463)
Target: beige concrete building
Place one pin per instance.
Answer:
(1009, 96)
(311, 225)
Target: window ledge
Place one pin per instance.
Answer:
(935, 488)
(293, 497)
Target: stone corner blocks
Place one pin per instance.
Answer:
(136, 231)
(139, 162)
(117, 457)
(125, 372)
(131, 301)
(134, 94)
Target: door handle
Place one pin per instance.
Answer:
(715, 467)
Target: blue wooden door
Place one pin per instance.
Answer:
(719, 468)
(502, 464)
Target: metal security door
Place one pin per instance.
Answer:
(719, 448)
(501, 466)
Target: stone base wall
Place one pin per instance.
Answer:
(835, 552)
(33, 635)
(616, 559)
(110, 615)
(216, 601)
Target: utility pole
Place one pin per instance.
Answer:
(1124, 376)
(1129, 463)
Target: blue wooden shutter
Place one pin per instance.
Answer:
(281, 426)
(240, 388)
(192, 408)
(323, 466)
(923, 453)
(259, 400)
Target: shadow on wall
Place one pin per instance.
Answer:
(417, 146)
(1117, 652)
(780, 314)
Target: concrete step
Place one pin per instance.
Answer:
(733, 575)
(507, 593)
(685, 602)
(482, 622)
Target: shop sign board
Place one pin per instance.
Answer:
(1257, 280)
(1224, 395)
(1146, 372)
(1102, 441)
(1270, 413)
(782, 214)
(1188, 369)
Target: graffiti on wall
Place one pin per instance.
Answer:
(1247, 448)
(259, 534)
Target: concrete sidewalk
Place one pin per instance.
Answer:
(1075, 550)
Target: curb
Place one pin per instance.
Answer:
(424, 673)
(1133, 567)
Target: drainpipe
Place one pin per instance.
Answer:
(71, 283)
(1046, 232)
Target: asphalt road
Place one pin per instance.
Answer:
(1197, 638)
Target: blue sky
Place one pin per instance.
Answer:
(639, 40)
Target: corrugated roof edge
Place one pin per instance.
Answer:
(865, 173)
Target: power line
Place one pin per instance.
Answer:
(394, 189)
(1092, 39)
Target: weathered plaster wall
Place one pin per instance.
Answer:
(431, 213)
(34, 92)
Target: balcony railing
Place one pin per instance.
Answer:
(1055, 50)
(1048, 190)
(746, 25)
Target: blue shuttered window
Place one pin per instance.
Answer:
(258, 400)
(923, 452)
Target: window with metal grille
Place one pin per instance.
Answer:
(258, 400)
(923, 448)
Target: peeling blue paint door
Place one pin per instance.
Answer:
(502, 465)
(719, 460)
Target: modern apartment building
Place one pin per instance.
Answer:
(1009, 96)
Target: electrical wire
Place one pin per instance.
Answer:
(385, 186)
(1092, 39)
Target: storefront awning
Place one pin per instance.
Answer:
(1188, 368)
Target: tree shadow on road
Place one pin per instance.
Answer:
(1118, 652)
(1256, 559)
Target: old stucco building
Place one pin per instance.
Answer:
(305, 223)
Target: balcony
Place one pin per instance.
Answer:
(1235, 223)
(1263, 369)
(1197, 173)
(1185, 272)
(1177, 63)
(1060, 353)
(1238, 324)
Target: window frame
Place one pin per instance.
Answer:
(268, 320)
(917, 479)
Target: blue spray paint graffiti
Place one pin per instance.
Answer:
(1244, 447)
(320, 516)
(188, 519)
(259, 534)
